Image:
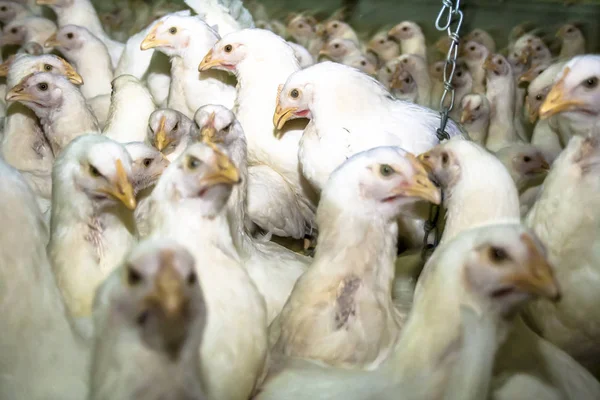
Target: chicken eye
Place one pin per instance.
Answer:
(386, 170)
(94, 171)
(42, 86)
(527, 159)
(294, 93)
(335, 26)
(14, 31)
(47, 67)
(472, 48)
(445, 158)
(176, 127)
(147, 162)
(228, 48)
(477, 108)
(459, 74)
(226, 128)
(336, 46)
(407, 80)
(172, 30)
(539, 48)
(381, 41)
(192, 279)
(500, 62)
(570, 30)
(538, 97)
(388, 70)
(133, 277)
(70, 35)
(300, 25)
(405, 29)
(3, 8)
(193, 163)
(498, 254)
(591, 83)
(363, 63)
(405, 61)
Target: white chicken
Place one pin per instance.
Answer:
(92, 225)
(149, 317)
(170, 132)
(350, 112)
(287, 207)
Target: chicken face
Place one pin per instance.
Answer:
(532, 73)
(530, 163)
(509, 270)
(381, 182)
(217, 124)
(569, 33)
(461, 77)
(168, 35)
(37, 90)
(404, 31)
(225, 55)
(13, 34)
(533, 103)
(436, 71)
(292, 102)
(363, 64)
(9, 10)
(166, 129)
(147, 165)
(68, 38)
(301, 27)
(496, 65)
(386, 73)
(383, 46)
(336, 29)
(576, 91)
(5, 66)
(101, 169)
(474, 107)
(337, 49)
(204, 173)
(44, 63)
(474, 51)
(159, 296)
(403, 82)
(442, 164)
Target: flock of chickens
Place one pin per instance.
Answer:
(218, 208)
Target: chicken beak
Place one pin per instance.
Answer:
(425, 160)
(420, 185)
(168, 294)
(122, 190)
(532, 113)
(5, 66)
(557, 100)
(324, 52)
(52, 41)
(543, 168)
(161, 140)
(561, 33)
(150, 41)
(208, 62)
(72, 75)
(466, 116)
(488, 65)
(224, 171)
(539, 278)
(18, 93)
(208, 131)
(282, 115)
(45, 2)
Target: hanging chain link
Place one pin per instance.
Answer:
(453, 22)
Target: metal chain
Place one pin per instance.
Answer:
(453, 22)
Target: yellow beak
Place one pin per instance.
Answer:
(488, 65)
(539, 278)
(72, 75)
(425, 160)
(557, 101)
(466, 116)
(208, 62)
(52, 41)
(224, 171)
(45, 2)
(532, 113)
(150, 41)
(168, 294)
(420, 185)
(208, 131)
(17, 93)
(122, 189)
(282, 115)
(161, 140)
